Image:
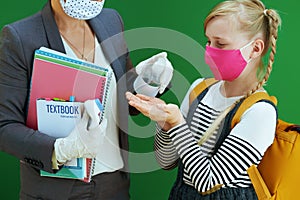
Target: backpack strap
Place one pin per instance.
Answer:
(234, 116)
(259, 185)
(196, 96)
(248, 102)
(206, 83)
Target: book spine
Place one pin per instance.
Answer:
(90, 169)
(64, 60)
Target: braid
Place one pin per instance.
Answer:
(273, 24)
(215, 125)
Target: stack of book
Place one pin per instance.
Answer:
(55, 78)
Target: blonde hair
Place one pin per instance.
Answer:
(253, 18)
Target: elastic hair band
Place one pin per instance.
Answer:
(265, 12)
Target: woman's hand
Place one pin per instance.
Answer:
(166, 115)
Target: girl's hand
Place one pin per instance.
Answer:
(167, 115)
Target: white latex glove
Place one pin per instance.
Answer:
(94, 109)
(82, 141)
(157, 71)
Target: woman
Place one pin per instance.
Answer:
(239, 33)
(82, 29)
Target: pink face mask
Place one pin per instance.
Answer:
(226, 64)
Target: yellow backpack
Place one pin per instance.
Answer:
(277, 176)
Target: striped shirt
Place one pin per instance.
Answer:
(244, 146)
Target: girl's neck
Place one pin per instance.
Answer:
(234, 88)
(240, 86)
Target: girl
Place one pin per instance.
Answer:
(239, 33)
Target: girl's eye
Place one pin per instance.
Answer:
(220, 44)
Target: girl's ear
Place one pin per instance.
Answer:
(258, 48)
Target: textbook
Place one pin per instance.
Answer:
(56, 75)
(58, 118)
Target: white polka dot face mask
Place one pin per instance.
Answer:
(82, 9)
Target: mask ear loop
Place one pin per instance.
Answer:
(247, 45)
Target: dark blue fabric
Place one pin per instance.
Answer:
(182, 191)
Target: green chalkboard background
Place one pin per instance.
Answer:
(176, 27)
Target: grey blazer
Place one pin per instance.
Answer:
(19, 40)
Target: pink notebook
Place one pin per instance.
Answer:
(56, 75)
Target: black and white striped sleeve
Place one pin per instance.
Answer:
(230, 161)
(165, 152)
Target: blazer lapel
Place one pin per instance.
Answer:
(52, 33)
(106, 43)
